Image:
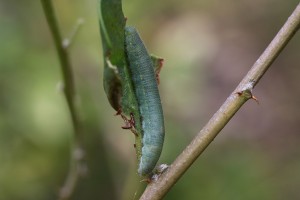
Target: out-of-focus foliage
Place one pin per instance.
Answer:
(208, 46)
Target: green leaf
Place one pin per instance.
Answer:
(112, 24)
(117, 78)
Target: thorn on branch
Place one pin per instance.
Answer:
(248, 95)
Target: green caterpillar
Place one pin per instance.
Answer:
(149, 104)
(130, 83)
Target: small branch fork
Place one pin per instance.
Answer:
(77, 164)
(157, 189)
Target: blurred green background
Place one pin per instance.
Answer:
(208, 46)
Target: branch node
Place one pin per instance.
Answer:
(60, 87)
(247, 94)
(158, 171)
(67, 42)
(78, 153)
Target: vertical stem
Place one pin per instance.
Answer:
(69, 87)
(69, 91)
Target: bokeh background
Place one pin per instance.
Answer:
(208, 46)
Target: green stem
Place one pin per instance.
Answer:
(157, 190)
(69, 91)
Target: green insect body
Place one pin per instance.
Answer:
(150, 111)
(130, 83)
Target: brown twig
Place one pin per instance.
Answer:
(158, 189)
